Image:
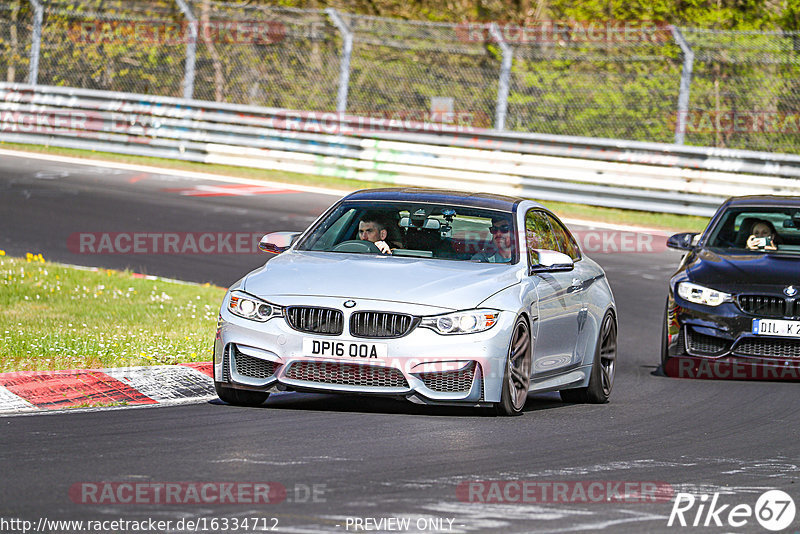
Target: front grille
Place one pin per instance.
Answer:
(449, 381)
(763, 305)
(795, 308)
(380, 324)
(253, 367)
(704, 345)
(769, 348)
(347, 374)
(315, 320)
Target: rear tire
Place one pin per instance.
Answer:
(604, 365)
(517, 375)
(240, 397)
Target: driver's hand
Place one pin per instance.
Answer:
(751, 243)
(383, 247)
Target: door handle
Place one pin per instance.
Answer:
(577, 284)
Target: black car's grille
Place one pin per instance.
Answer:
(449, 381)
(380, 324)
(347, 374)
(763, 305)
(315, 320)
(705, 345)
(253, 367)
(769, 348)
(795, 308)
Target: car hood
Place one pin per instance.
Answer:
(448, 284)
(731, 272)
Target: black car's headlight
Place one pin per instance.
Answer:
(463, 322)
(702, 295)
(250, 307)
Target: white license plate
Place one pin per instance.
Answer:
(776, 327)
(331, 348)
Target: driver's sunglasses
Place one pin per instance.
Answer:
(503, 228)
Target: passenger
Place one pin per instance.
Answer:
(375, 227)
(763, 229)
(501, 230)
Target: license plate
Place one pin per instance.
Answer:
(776, 327)
(344, 349)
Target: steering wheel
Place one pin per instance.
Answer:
(357, 246)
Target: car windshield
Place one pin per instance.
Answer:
(772, 229)
(423, 230)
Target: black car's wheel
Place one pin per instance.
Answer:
(604, 367)
(517, 375)
(665, 358)
(240, 397)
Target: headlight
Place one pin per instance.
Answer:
(702, 295)
(250, 307)
(464, 322)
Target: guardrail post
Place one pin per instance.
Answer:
(191, 50)
(686, 82)
(505, 74)
(36, 42)
(344, 64)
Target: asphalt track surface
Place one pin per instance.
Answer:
(376, 458)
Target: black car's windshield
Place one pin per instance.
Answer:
(417, 229)
(772, 229)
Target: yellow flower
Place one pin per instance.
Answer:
(2, 252)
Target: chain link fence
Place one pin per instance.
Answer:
(645, 81)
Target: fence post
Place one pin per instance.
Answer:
(191, 50)
(505, 74)
(686, 82)
(36, 42)
(344, 64)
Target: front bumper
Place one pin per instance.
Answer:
(719, 342)
(422, 366)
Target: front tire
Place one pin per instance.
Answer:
(665, 357)
(517, 375)
(604, 366)
(240, 397)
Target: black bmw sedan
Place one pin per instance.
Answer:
(733, 309)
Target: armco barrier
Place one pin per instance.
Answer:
(602, 172)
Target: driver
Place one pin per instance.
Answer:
(374, 227)
(502, 240)
(760, 229)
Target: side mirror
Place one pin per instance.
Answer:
(277, 242)
(549, 261)
(684, 241)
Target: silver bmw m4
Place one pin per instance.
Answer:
(437, 297)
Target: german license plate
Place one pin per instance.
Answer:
(344, 349)
(776, 327)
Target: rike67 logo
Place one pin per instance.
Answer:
(774, 510)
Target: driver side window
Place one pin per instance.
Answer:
(538, 235)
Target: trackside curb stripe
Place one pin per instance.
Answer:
(63, 389)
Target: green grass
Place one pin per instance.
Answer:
(576, 211)
(57, 317)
